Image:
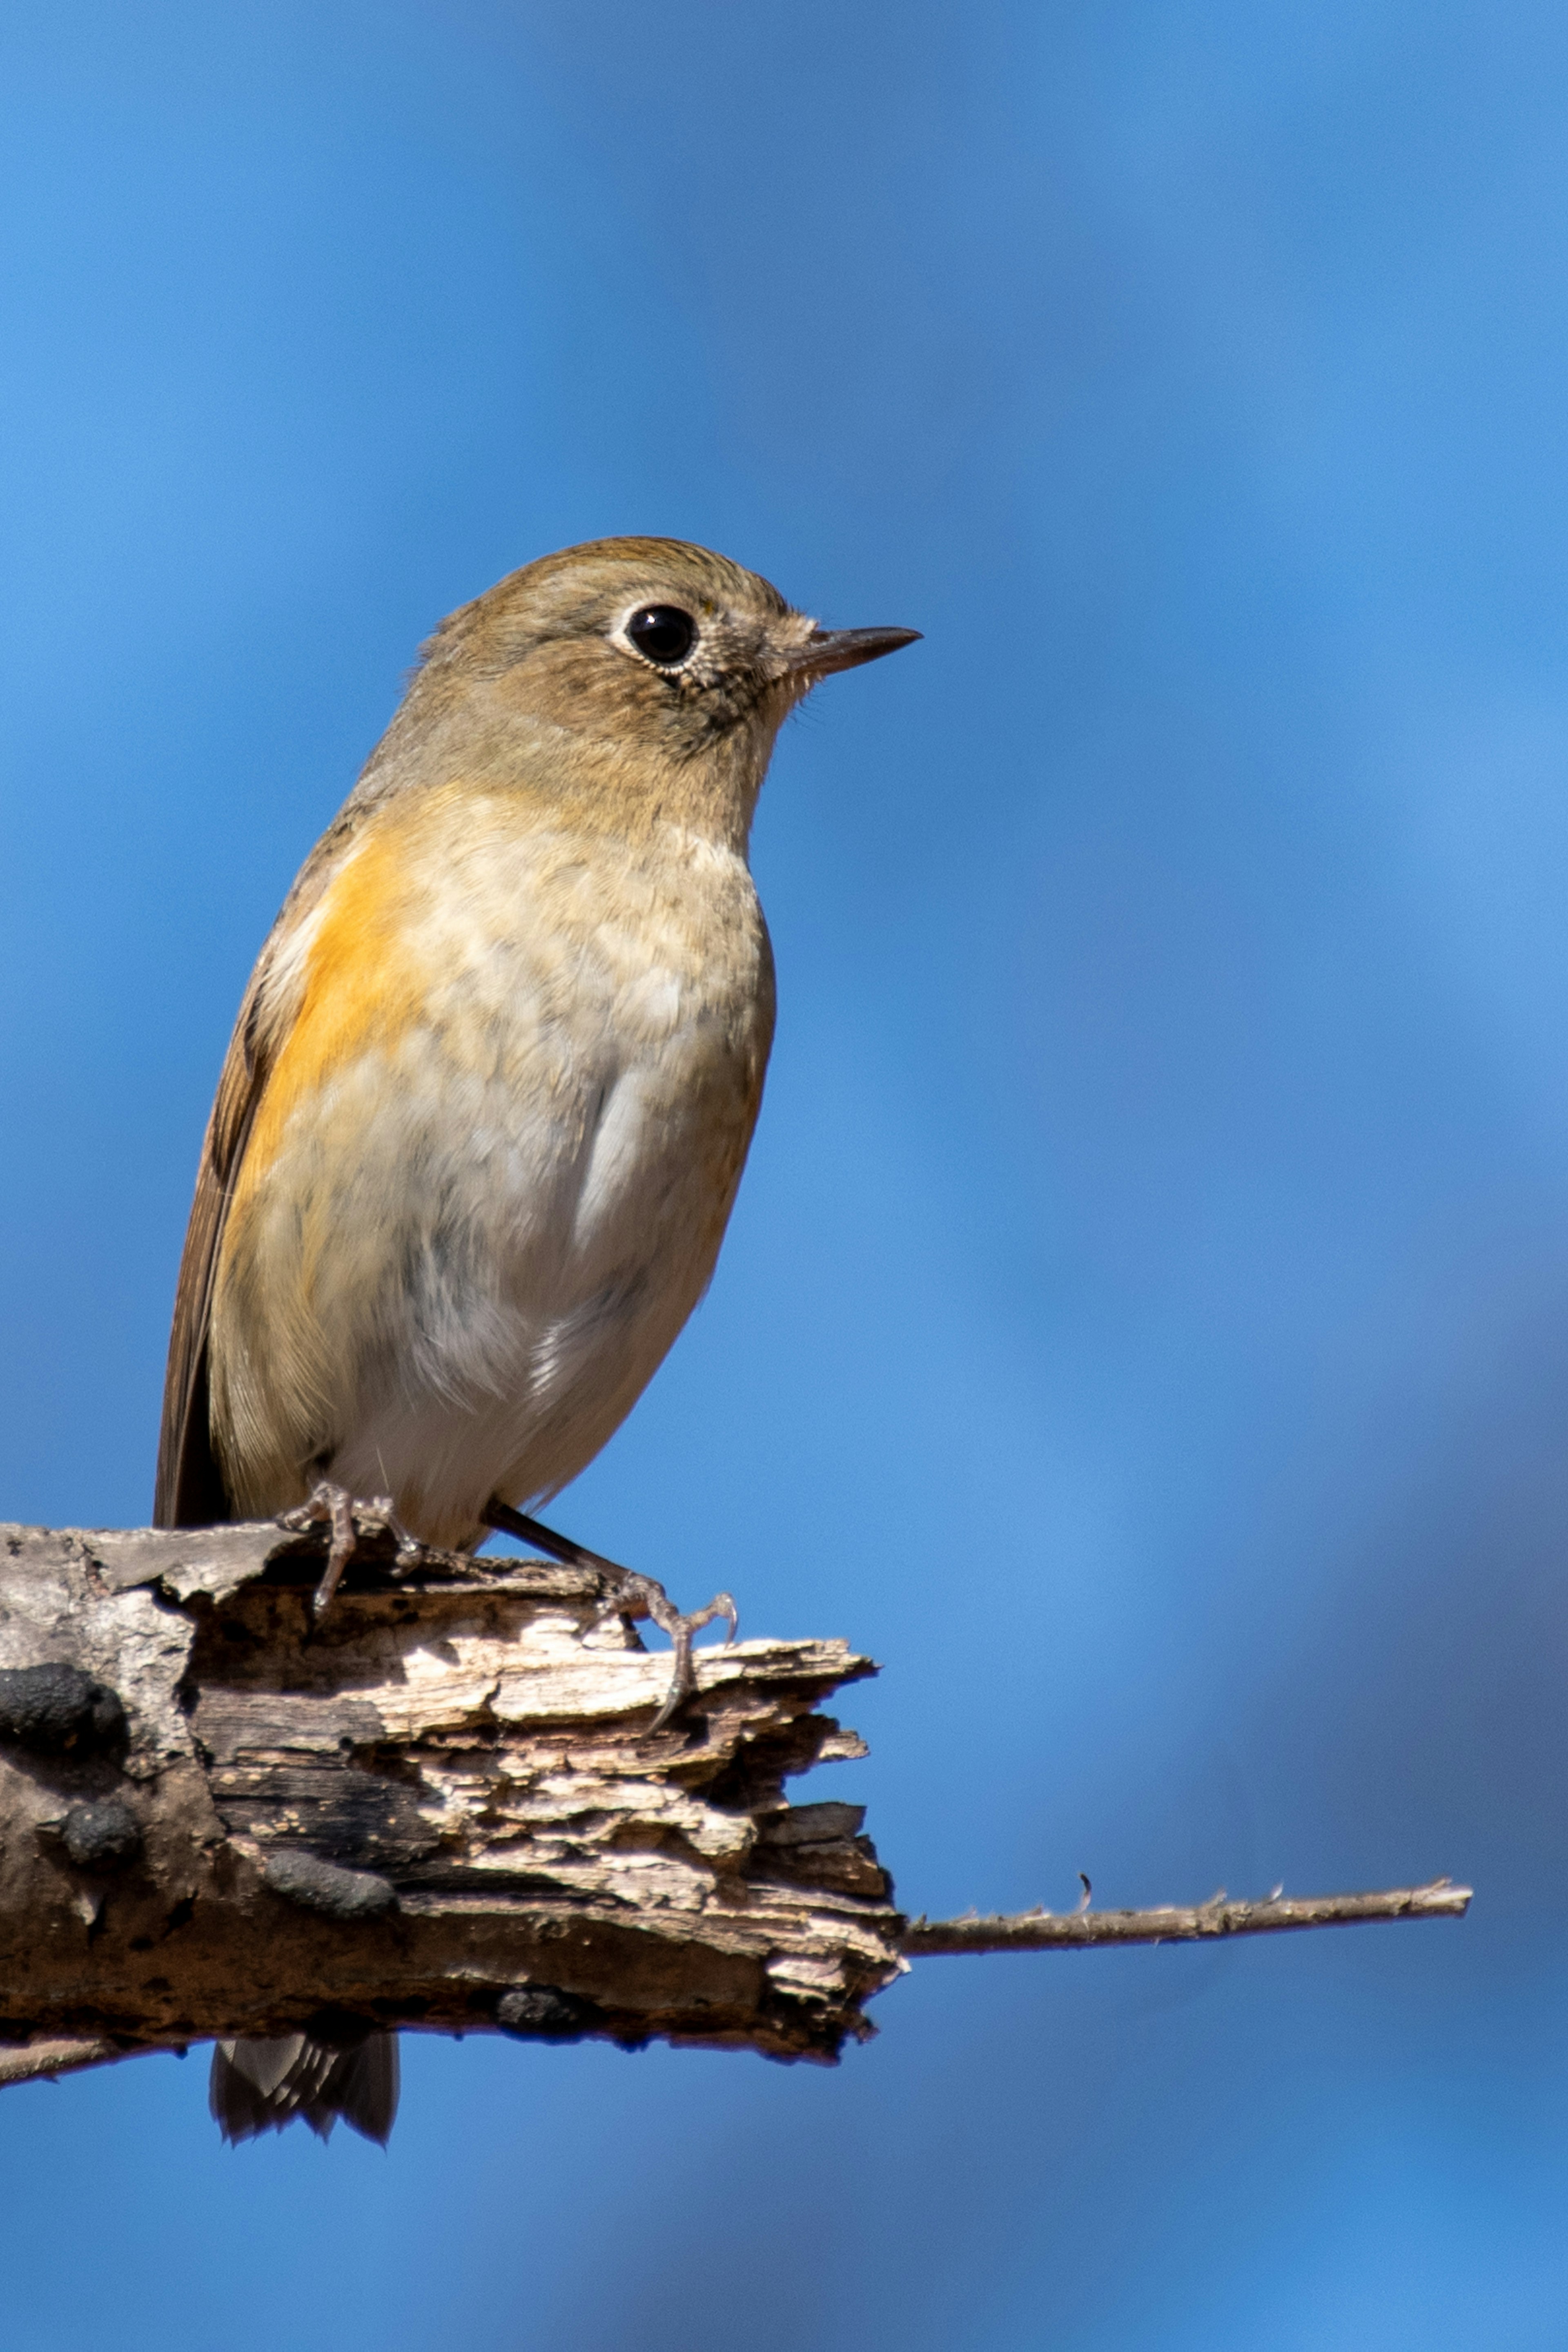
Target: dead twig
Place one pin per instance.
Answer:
(1079, 1930)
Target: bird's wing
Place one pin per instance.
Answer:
(189, 1488)
(189, 1491)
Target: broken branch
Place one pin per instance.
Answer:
(447, 1806)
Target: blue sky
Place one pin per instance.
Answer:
(1144, 1327)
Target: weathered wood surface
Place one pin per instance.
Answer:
(441, 1808)
(444, 1806)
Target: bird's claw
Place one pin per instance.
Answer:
(350, 1518)
(632, 1596)
(626, 1594)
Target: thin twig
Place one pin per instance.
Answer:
(46, 2059)
(1035, 1931)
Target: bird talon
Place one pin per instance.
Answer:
(681, 1689)
(332, 1506)
(410, 1552)
(640, 1596)
(624, 1593)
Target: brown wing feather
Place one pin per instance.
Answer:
(189, 1488)
(189, 1491)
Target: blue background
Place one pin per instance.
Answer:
(1146, 1322)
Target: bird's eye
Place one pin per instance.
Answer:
(663, 634)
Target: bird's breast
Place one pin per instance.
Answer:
(495, 1155)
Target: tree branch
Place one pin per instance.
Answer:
(1066, 1931)
(443, 1808)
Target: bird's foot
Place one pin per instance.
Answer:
(626, 1595)
(631, 1596)
(350, 1518)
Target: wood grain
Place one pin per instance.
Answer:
(456, 1735)
(442, 1809)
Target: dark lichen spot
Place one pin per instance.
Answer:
(337, 1893)
(60, 1710)
(541, 2013)
(102, 1836)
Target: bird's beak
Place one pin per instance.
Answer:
(826, 650)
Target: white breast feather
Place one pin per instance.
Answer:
(562, 1225)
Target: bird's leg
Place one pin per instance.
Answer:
(626, 1594)
(332, 1506)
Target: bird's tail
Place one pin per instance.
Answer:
(258, 2086)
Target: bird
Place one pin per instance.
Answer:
(488, 1097)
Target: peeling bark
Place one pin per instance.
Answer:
(442, 1807)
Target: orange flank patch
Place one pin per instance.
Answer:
(361, 987)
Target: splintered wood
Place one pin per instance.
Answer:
(442, 1807)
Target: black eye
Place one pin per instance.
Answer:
(663, 634)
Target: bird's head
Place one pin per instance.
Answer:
(645, 673)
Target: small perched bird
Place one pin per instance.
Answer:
(488, 1101)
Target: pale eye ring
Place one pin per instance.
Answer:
(661, 634)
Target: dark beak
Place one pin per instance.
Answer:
(826, 650)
